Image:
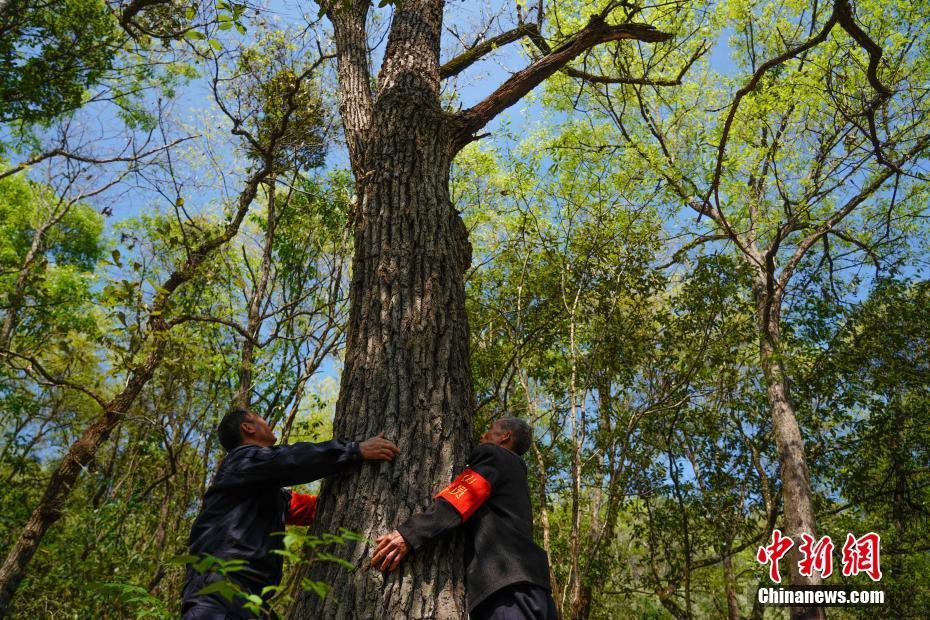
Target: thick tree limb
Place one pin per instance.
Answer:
(843, 12)
(510, 92)
(135, 7)
(848, 22)
(479, 51)
(355, 99)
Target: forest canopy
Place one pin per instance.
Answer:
(686, 241)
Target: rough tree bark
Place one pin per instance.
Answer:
(799, 515)
(407, 369)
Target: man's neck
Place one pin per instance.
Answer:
(255, 442)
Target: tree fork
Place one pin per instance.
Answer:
(407, 367)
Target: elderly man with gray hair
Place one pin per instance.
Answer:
(507, 574)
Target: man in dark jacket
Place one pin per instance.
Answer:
(246, 504)
(507, 574)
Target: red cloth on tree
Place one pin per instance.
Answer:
(302, 510)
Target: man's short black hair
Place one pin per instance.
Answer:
(520, 431)
(229, 429)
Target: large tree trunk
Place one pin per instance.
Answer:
(795, 479)
(407, 364)
(407, 369)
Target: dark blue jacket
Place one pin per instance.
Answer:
(246, 503)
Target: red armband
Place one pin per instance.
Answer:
(467, 492)
(302, 510)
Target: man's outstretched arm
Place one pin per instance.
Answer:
(452, 507)
(418, 530)
(300, 463)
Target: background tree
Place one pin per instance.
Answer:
(261, 131)
(871, 387)
(788, 176)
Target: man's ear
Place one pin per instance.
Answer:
(247, 429)
(507, 437)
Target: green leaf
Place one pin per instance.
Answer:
(353, 536)
(224, 588)
(318, 587)
(328, 557)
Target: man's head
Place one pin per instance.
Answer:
(241, 426)
(511, 433)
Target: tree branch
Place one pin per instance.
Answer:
(827, 226)
(511, 91)
(748, 87)
(479, 51)
(87, 159)
(34, 364)
(185, 318)
(640, 81)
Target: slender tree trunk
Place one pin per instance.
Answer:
(795, 479)
(255, 301)
(407, 369)
(730, 586)
(581, 602)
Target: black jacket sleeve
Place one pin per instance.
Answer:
(441, 516)
(430, 524)
(297, 463)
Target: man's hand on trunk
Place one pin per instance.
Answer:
(391, 549)
(378, 449)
